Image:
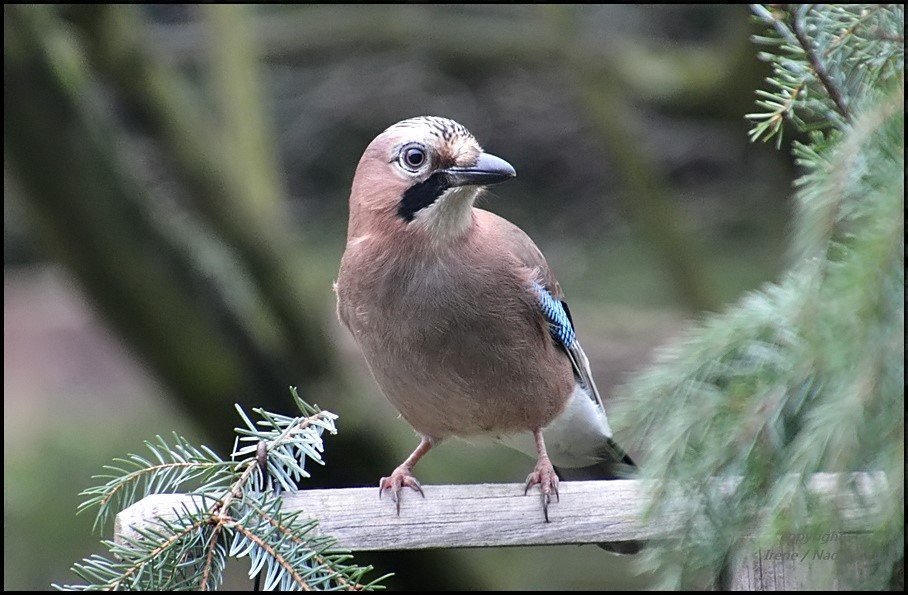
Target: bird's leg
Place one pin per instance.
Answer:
(543, 475)
(401, 476)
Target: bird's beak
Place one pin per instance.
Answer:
(487, 170)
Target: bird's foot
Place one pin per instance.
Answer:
(544, 476)
(399, 478)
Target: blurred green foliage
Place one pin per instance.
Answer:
(805, 375)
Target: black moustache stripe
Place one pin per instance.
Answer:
(421, 195)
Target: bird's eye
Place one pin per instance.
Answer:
(413, 157)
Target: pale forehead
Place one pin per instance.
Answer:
(429, 128)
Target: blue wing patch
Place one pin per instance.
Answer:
(559, 320)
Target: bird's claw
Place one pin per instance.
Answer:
(398, 479)
(545, 477)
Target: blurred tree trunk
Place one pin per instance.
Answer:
(250, 226)
(648, 204)
(90, 211)
(236, 85)
(606, 106)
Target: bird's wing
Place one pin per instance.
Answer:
(561, 327)
(549, 298)
(554, 309)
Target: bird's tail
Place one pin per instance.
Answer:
(615, 464)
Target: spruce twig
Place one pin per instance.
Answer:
(236, 511)
(832, 89)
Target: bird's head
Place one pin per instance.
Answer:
(422, 174)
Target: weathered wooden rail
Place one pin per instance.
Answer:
(495, 515)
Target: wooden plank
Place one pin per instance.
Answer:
(499, 514)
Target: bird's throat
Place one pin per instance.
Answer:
(449, 217)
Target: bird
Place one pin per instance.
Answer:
(462, 322)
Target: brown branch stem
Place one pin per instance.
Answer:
(831, 88)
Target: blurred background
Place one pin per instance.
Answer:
(175, 201)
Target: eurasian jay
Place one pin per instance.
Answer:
(457, 313)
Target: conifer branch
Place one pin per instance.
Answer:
(232, 510)
(805, 375)
(834, 92)
(829, 62)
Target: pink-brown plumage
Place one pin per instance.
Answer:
(451, 333)
(454, 308)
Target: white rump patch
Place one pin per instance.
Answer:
(574, 439)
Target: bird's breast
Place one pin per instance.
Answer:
(459, 349)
